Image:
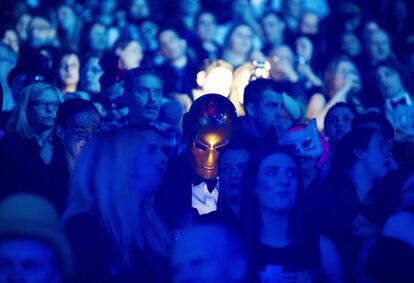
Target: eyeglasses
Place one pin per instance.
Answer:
(42, 104)
(85, 133)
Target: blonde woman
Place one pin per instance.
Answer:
(28, 130)
(110, 218)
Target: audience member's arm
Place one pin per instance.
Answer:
(331, 264)
(294, 108)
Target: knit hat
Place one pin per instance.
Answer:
(28, 215)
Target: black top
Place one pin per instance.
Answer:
(297, 257)
(98, 260)
(23, 170)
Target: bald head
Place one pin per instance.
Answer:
(207, 254)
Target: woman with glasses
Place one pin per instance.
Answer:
(28, 130)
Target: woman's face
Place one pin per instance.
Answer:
(91, 73)
(206, 27)
(389, 82)
(277, 183)
(98, 37)
(342, 72)
(241, 40)
(377, 158)
(41, 110)
(273, 27)
(69, 70)
(66, 17)
(338, 123)
(131, 55)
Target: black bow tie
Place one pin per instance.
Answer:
(211, 183)
(394, 104)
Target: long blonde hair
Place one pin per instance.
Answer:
(18, 122)
(107, 177)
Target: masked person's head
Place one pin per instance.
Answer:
(77, 120)
(208, 127)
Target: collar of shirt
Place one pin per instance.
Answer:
(405, 99)
(203, 200)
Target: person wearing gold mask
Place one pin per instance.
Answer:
(207, 128)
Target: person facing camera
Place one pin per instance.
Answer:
(191, 189)
(33, 247)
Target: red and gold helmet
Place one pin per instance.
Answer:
(211, 121)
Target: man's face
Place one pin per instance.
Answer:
(172, 46)
(269, 111)
(231, 168)
(389, 82)
(309, 24)
(273, 27)
(350, 44)
(41, 32)
(69, 70)
(378, 160)
(79, 131)
(145, 99)
(27, 261)
(152, 163)
(379, 47)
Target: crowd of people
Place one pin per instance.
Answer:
(207, 141)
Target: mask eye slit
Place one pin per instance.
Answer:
(200, 145)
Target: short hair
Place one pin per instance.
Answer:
(124, 41)
(344, 155)
(59, 59)
(68, 109)
(254, 90)
(273, 12)
(397, 67)
(337, 105)
(386, 128)
(131, 77)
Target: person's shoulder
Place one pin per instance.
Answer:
(87, 222)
